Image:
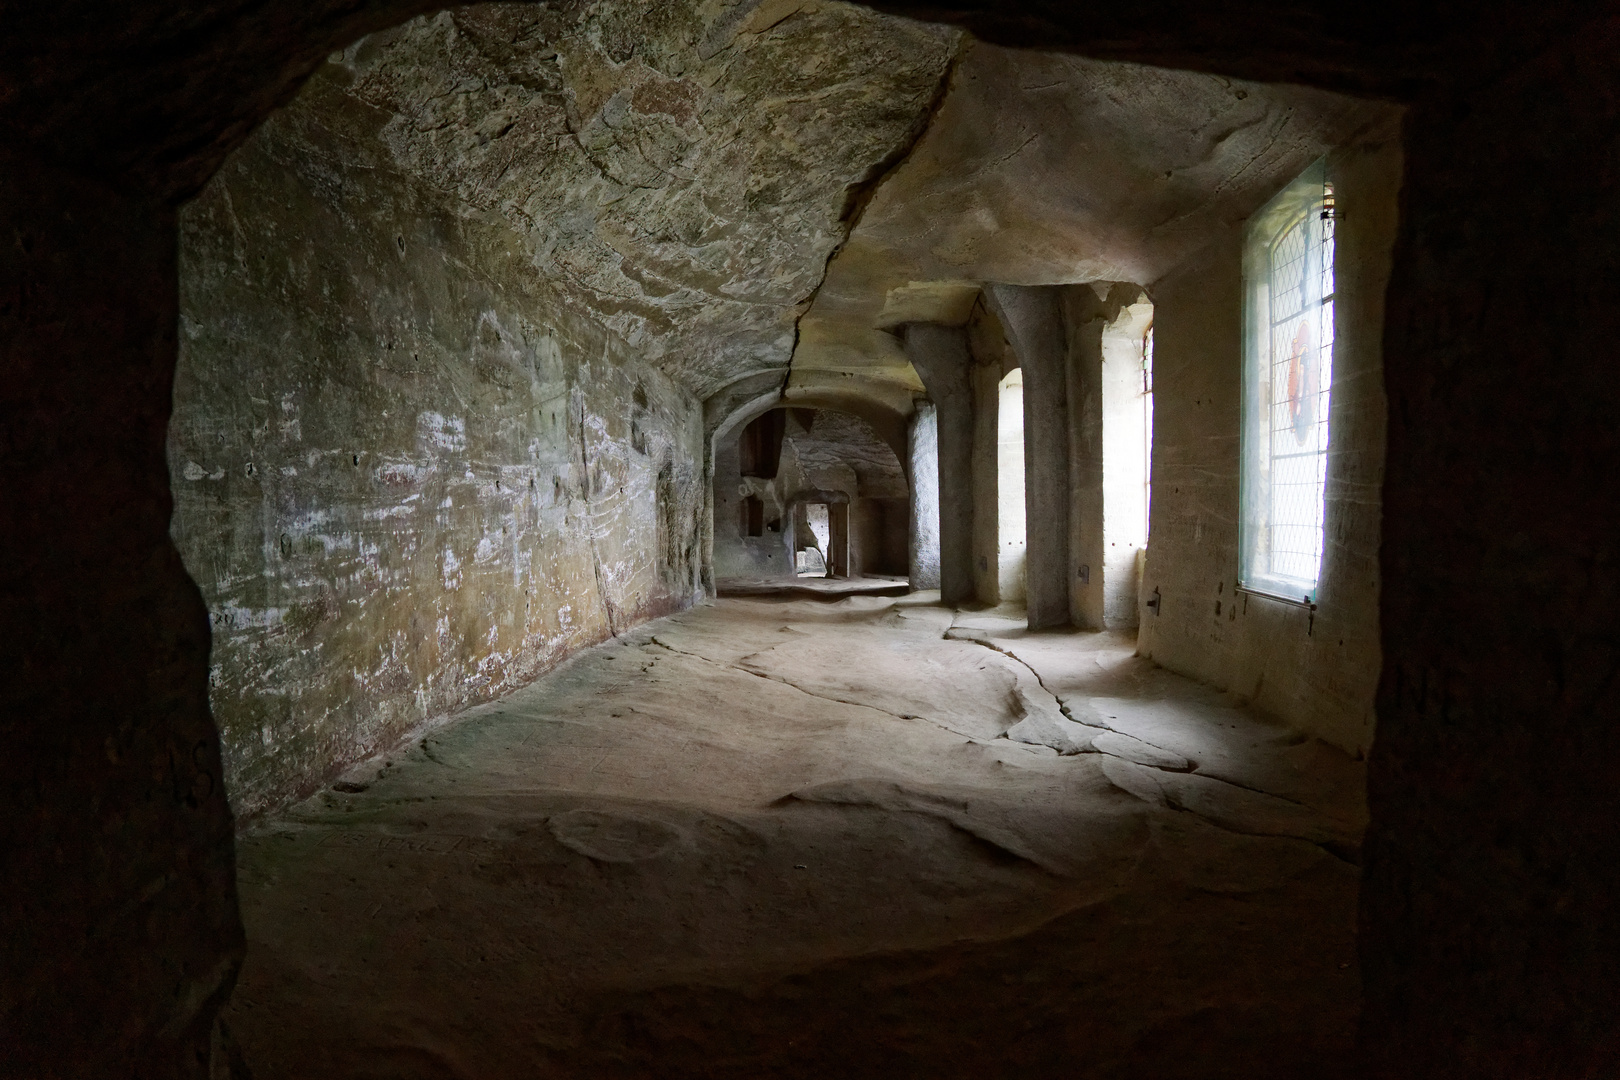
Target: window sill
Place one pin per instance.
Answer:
(1298, 600)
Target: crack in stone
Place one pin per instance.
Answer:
(1253, 790)
(654, 640)
(926, 719)
(861, 194)
(1062, 708)
(1196, 768)
(427, 752)
(993, 647)
(926, 804)
(1347, 853)
(795, 686)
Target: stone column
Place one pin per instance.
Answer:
(924, 454)
(706, 525)
(1033, 318)
(940, 355)
(1093, 314)
(1087, 316)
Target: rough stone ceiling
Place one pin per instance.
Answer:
(679, 171)
(730, 186)
(1043, 168)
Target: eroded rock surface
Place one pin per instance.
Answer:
(753, 840)
(680, 172)
(447, 322)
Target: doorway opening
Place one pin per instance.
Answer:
(815, 537)
(1010, 547)
(822, 540)
(836, 502)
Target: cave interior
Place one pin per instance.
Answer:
(741, 538)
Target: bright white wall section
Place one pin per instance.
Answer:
(1125, 436)
(1010, 487)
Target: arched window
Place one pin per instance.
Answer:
(1288, 374)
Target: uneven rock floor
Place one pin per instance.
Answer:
(787, 838)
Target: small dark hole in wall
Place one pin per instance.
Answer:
(286, 546)
(1217, 607)
(357, 459)
(400, 240)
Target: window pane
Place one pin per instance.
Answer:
(1289, 282)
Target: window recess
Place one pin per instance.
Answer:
(1287, 375)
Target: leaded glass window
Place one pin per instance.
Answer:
(1288, 374)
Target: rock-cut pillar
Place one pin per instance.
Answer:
(924, 454)
(1033, 318)
(940, 355)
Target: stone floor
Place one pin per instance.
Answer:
(789, 838)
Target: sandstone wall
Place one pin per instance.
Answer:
(406, 479)
(1318, 672)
